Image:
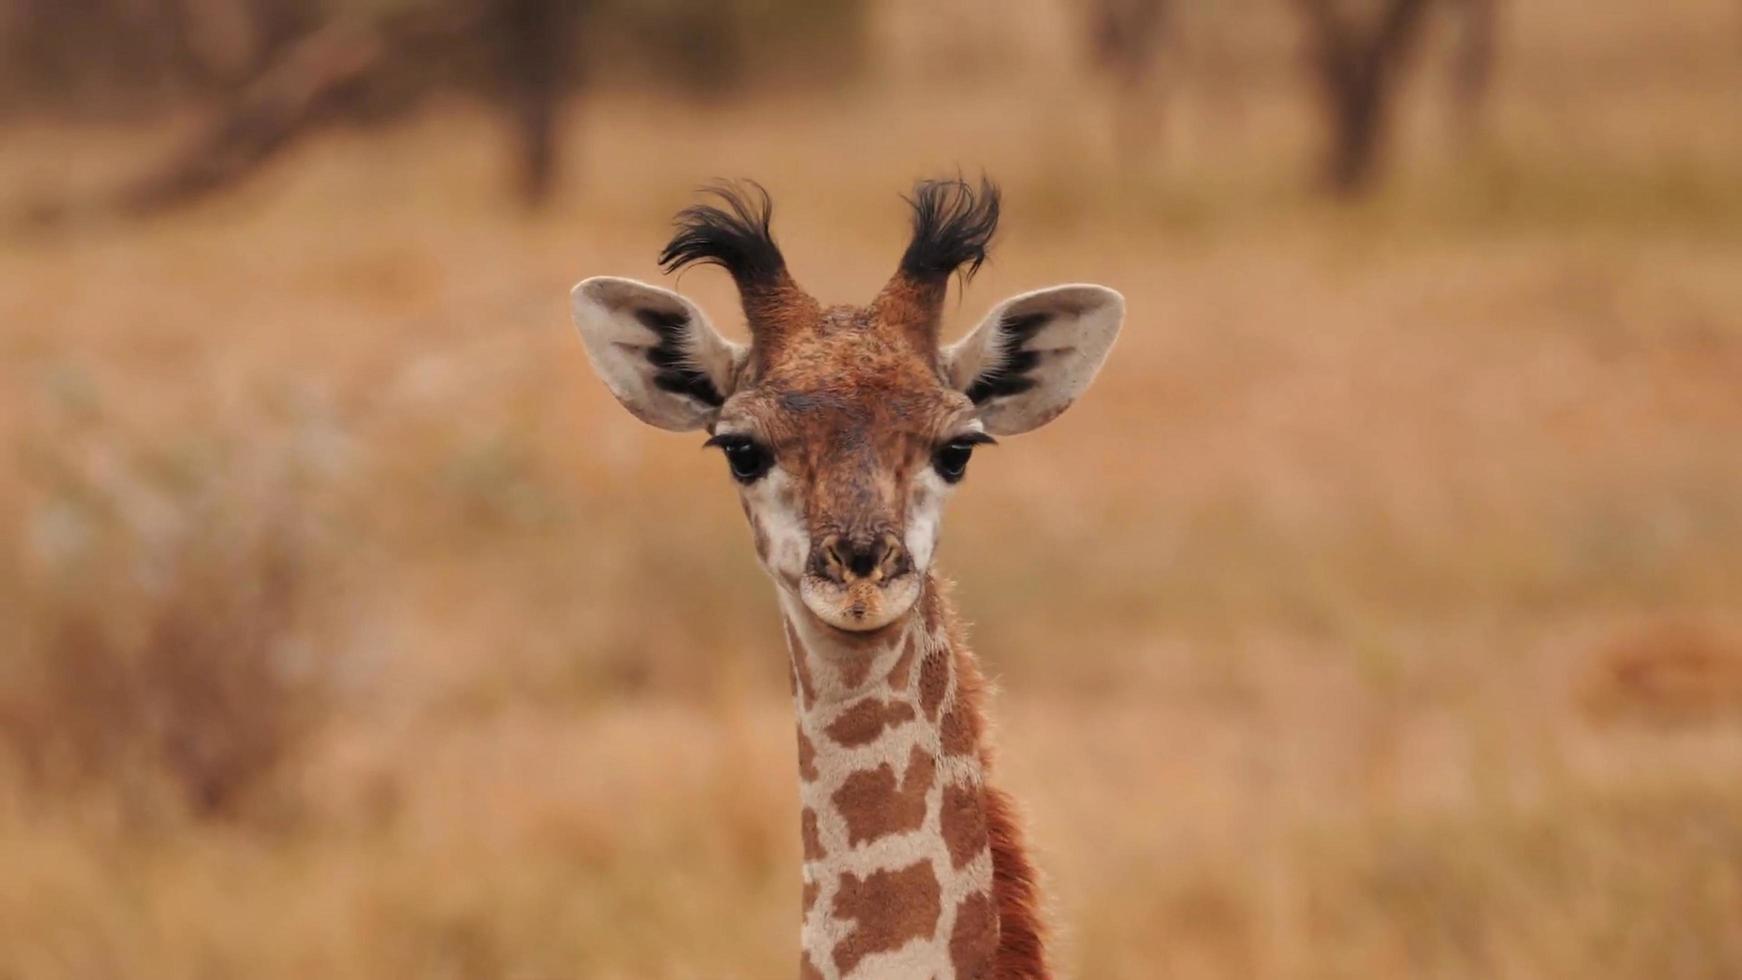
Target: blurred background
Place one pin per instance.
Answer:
(1378, 613)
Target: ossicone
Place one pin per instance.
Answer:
(953, 225)
(734, 232)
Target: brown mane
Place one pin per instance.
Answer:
(1022, 932)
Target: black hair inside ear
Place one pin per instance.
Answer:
(735, 235)
(1014, 359)
(674, 372)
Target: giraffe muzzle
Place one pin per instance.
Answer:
(859, 582)
(846, 560)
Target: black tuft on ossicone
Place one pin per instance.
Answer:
(734, 235)
(952, 229)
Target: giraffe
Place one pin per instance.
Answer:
(845, 429)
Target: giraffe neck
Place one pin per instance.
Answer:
(913, 865)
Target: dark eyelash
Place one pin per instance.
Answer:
(972, 439)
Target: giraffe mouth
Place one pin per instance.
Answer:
(860, 606)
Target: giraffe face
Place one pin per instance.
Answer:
(844, 449)
(845, 428)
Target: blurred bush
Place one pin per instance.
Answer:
(167, 641)
(1669, 674)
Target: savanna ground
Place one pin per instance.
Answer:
(1378, 613)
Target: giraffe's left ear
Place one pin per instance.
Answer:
(1034, 354)
(656, 351)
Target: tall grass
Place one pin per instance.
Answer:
(169, 608)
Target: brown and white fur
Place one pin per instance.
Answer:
(846, 428)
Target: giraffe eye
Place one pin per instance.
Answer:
(951, 459)
(747, 460)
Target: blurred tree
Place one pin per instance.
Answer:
(121, 55)
(1126, 42)
(713, 49)
(367, 67)
(273, 72)
(536, 36)
(379, 66)
(1357, 68)
(1473, 64)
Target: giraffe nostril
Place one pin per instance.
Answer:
(864, 558)
(846, 560)
(893, 561)
(836, 558)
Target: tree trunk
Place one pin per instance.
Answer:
(1473, 69)
(1357, 72)
(302, 91)
(1126, 39)
(536, 34)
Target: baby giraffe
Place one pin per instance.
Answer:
(845, 429)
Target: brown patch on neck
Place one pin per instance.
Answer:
(902, 673)
(974, 939)
(962, 820)
(959, 732)
(807, 970)
(888, 909)
(864, 722)
(813, 841)
(935, 670)
(850, 659)
(934, 681)
(934, 608)
(856, 668)
(801, 668)
(807, 758)
(874, 805)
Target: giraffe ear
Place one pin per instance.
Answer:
(656, 351)
(1034, 354)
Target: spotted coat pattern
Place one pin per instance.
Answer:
(898, 871)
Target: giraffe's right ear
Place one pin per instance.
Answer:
(656, 351)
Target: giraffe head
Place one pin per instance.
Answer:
(845, 427)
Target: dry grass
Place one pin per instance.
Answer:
(1376, 614)
(165, 640)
